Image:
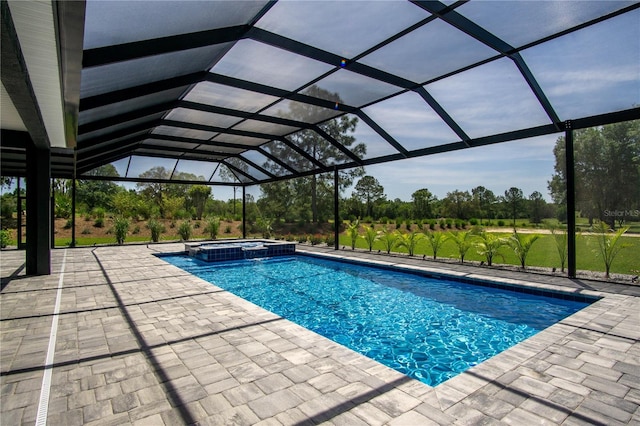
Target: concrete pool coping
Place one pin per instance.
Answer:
(140, 341)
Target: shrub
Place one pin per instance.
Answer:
(265, 225)
(185, 230)
(68, 225)
(330, 239)
(62, 206)
(442, 224)
(501, 223)
(302, 239)
(136, 230)
(98, 223)
(196, 225)
(156, 229)
(98, 212)
(432, 225)
(7, 209)
(473, 222)
(121, 228)
(227, 229)
(5, 238)
(86, 231)
(315, 239)
(212, 227)
(182, 213)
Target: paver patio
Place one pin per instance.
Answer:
(139, 341)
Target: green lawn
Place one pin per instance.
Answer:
(89, 241)
(543, 253)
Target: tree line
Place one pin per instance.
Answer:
(368, 201)
(607, 170)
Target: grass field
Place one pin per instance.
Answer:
(543, 253)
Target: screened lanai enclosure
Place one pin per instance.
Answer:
(244, 93)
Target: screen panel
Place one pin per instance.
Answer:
(149, 69)
(346, 28)
(592, 71)
(521, 22)
(228, 97)
(106, 25)
(489, 99)
(411, 122)
(260, 63)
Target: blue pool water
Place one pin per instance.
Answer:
(429, 329)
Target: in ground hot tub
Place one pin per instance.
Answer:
(214, 251)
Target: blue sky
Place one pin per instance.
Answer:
(526, 164)
(587, 72)
(591, 71)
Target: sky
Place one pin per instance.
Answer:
(587, 72)
(526, 164)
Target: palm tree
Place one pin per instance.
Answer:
(560, 237)
(266, 226)
(410, 241)
(435, 239)
(370, 236)
(353, 231)
(521, 245)
(489, 245)
(608, 246)
(389, 239)
(462, 240)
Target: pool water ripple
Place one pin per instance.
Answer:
(429, 329)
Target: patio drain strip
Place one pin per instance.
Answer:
(43, 404)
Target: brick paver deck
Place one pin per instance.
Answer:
(142, 342)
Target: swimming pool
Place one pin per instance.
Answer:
(429, 329)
